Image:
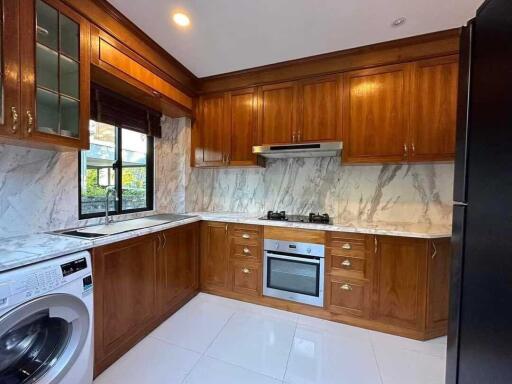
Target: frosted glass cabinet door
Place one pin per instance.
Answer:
(55, 103)
(57, 72)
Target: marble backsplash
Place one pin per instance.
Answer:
(351, 194)
(39, 189)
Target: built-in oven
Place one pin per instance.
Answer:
(294, 271)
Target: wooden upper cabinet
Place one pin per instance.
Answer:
(212, 131)
(376, 105)
(400, 282)
(320, 119)
(118, 67)
(225, 130)
(277, 113)
(434, 109)
(214, 255)
(9, 69)
(242, 124)
(55, 68)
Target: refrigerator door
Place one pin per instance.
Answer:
(452, 355)
(485, 324)
(461, 154)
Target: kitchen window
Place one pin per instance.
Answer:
(120, 157)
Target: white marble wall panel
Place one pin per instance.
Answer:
(39, 189)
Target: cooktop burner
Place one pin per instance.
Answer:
(314, 218)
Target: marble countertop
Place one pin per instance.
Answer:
(417, 230)
(18, 251)
(28, 249)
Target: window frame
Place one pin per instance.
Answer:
(118, 168)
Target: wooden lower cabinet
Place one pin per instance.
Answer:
(137, 284)
(231, 258)
(214, 256)
(178, 269)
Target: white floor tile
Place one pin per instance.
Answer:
(258, 343)
(152, 361)
(404, 366)
(435, 347)
(213, 371)
(195, 325)
(332, 327)
(325, 358)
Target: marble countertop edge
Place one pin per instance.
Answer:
(23, 250)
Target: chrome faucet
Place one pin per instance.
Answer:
(109, 190)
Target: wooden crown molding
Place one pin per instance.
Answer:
(110, 19)
(396, 51)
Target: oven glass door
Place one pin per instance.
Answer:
(293, 274)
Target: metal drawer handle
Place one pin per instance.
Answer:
(246, 250)
(346, 263)
(246, 236)
(14, 115)
(346, 287)
(346, 246)
(246, 270)
(30, 122)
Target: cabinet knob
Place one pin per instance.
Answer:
(346, 246)
(14, 115)
(30, 122)
(246, 270)
(246, 236)
(346, 263)
(405, 150)
(346, 287)
(246, 250)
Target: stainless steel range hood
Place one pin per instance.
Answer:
(286, 151)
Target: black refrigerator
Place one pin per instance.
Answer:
(480, 326)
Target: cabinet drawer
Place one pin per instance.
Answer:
(246, 251)
(347, 266)
(245, 236)
(348, 297)
(347, 246)
(246, 277)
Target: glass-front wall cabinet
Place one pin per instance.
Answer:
(55, 100)
(57, 72)
(9, 69)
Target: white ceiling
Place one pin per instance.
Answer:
(229, 35)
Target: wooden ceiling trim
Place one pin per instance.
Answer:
(396, 51)
(108, 18)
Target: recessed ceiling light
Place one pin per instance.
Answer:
(181, 19)
(398, 22)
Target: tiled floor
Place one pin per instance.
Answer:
(215, 340)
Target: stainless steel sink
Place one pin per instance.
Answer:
(102, 230)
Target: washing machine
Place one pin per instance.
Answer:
(46, 322)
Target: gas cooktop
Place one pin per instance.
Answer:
(313, 218)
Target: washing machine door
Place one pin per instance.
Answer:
(41, 339)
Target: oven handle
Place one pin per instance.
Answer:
(291, 258)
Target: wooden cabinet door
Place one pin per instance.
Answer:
(9, 69)
(214, 255)
(320, 110)
(55, 68)
(178, 266)
(399, 286)
(243, 124)
(213, 131)
(376, 105)
(277, 113)
(434, 109)
(125, 300)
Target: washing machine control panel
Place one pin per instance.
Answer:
(18, 286)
